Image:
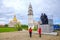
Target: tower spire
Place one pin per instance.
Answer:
(30, 11)
(30, 17)
(30, 6)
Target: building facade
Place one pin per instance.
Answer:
(13, 22)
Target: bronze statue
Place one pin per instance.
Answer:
(44, 18)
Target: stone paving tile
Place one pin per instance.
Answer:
(24, 35)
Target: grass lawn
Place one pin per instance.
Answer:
(7, 29)
(12, 29)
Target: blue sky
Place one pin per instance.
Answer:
(20, 7)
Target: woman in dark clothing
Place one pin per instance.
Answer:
(30, 32)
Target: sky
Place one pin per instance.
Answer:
(20, 7)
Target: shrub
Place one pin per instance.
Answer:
(18, 27)
(6, 25)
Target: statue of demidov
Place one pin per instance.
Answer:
(44, 18)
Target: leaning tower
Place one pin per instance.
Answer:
(30, 17)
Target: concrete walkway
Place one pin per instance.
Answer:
(24, 35)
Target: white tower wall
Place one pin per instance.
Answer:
(30, 17)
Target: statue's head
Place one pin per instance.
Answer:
(45, 15)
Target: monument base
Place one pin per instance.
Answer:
(46, 28)
(52, 33)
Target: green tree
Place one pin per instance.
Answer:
(25, 27)
(6, 25)
(18, 26)
(35, 28)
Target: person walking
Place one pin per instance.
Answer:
(39, 31)
(30, 32)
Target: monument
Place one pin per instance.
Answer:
(46, 26)
(30, 17)
(44, 18)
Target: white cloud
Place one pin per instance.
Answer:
(10, 19)
(2, 18)
(10, 14)
(20, 7)
(15, 4)
(2, 22)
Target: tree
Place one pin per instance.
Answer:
(25, 27)
(18, 26)
(6, 25)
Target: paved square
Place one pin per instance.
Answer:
(24, 35)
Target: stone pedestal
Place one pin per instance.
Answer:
(46, 28)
